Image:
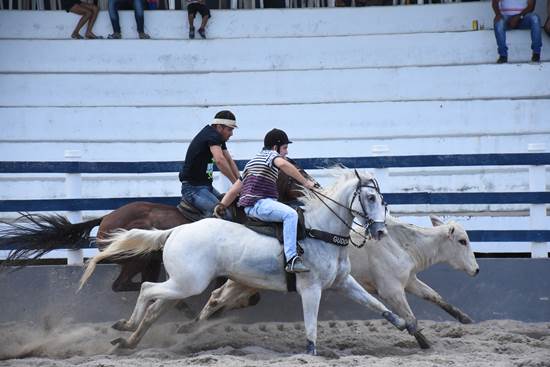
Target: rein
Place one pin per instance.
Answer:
(340, 240)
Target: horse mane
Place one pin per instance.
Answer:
(342, 175)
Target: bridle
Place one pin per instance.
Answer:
(373, 184)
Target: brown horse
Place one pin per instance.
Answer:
(53, 232)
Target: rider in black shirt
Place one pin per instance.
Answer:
(206, 149)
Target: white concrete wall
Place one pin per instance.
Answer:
(342, 82)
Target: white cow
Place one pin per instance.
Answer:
(387, 267)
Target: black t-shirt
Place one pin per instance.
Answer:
(199, 164)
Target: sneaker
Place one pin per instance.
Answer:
(191, 33)
(115, 36)
(202, 33)
(296, 265)
(535, 57)
(144, 36)
(502, 60)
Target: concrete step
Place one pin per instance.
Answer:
(304, 53)
(377, 120)
(346, 129)
(280, 87)
(262, 22)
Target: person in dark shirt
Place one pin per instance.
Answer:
(206, 149)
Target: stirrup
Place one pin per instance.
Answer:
(295, 265)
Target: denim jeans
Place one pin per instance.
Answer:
(270, 210)
(138, 12)
(530, 21)
(204, 197)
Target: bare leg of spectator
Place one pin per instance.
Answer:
(86, 15)
(95, 11)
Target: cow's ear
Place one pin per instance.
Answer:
(436, 221)
(451, 231)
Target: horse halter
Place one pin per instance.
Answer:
(373, 184)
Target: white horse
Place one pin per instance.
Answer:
(196, 253)
(387, 267)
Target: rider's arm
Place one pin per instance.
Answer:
(232, 193)
(232, 163)
(293, 172)
(222, 163)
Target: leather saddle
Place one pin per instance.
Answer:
(271, 229)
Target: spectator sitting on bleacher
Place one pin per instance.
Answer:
(89, 14)
(194, 7)
(512, 14)
(138, 12)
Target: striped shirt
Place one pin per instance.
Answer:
(512, 7)
(259, 178)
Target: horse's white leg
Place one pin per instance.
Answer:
(422, 290)
(311, 296)
(353, 290)
(152, 313)
(142, 303)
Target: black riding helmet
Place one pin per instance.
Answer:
(275, 137)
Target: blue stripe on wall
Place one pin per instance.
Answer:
(391, 198)
(305, 163)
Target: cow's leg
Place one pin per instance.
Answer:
(422, 290)
(231, 295)
(396, 300)
(353, 290)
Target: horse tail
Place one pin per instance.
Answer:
(33, 235)
(124, 244)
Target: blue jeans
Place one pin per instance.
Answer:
(270, 210)
(204, 197)
(530, 21)
(138, 13)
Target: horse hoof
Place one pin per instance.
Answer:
(421, 340)
(310, 348)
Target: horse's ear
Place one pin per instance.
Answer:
(436, 221)
(357, 174)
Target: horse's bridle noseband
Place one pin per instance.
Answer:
(373, 184)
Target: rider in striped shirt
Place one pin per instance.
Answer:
(258, 193)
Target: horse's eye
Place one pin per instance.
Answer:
(463, 242)
(371, 198)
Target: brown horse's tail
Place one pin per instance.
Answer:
(33, 235)
(124, 244)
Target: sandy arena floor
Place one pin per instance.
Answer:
(223, 343)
